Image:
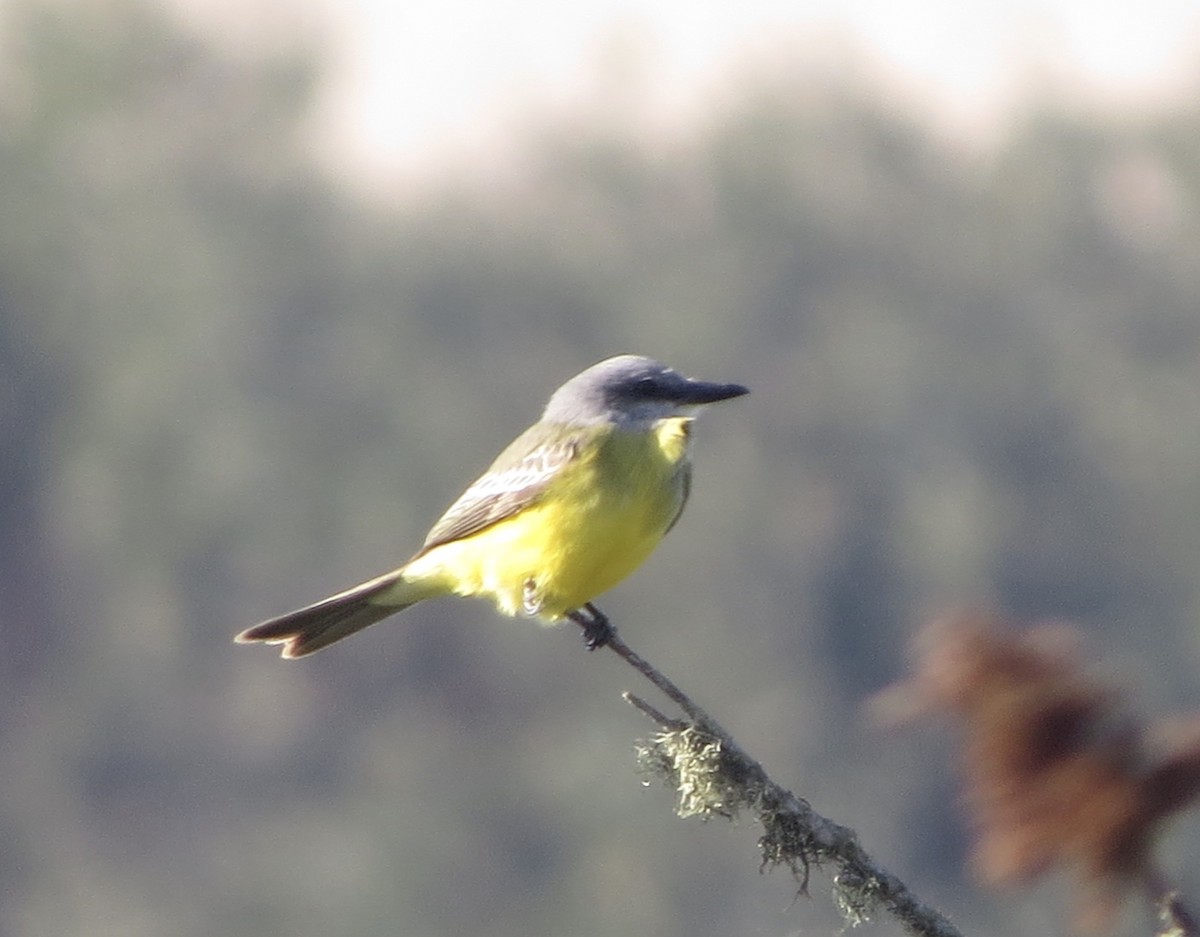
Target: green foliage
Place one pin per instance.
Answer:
(228, 388)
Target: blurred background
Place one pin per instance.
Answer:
(278, 279)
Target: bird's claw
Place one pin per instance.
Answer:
(597, 629)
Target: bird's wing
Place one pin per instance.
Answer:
(518, 477)
(685, 487)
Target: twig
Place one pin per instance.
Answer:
(713, 776)
(675, 725)
(1175, 919)
(652, 674)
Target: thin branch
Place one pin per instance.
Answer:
(665, 721)
(714, 776)
(669, 689)
(1175, 919)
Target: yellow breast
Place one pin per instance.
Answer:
(596, 523)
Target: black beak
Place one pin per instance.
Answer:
(702, 392)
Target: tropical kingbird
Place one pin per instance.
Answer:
(568, 510)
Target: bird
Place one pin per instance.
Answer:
(569, 509)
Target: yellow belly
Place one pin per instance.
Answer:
(595, 525)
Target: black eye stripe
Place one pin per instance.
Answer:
(648, 388)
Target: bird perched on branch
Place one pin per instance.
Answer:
(572, 506)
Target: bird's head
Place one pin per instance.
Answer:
(632, 390)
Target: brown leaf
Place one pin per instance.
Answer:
(1055, 774)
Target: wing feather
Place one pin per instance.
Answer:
(518, 477)
(685, 490)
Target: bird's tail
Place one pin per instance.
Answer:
(316, 626)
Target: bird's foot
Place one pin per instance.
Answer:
(597, 629)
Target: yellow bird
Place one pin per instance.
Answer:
(568, 510)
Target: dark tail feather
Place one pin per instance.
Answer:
(316, 626)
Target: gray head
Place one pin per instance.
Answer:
(632, 389)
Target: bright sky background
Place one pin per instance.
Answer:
(417, 83)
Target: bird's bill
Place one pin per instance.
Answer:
(697, 393)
